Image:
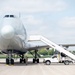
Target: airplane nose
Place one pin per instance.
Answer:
(7, 32)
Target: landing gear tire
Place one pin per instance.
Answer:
(7, 61)
(22, 60)
(35, 60)
(10, 62)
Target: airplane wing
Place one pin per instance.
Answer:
(67, 45)
(47, 46)
(38, 47)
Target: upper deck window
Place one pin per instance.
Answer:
(10, 16)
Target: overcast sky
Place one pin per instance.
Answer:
(54, 19)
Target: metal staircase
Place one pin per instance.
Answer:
(51, 44)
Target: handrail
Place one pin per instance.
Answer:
(51, 44)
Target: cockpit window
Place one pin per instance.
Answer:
(6, 15)
(11, 15)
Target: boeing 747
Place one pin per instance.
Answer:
(13, 39)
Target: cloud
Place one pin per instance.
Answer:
(32, 20)
(67, 29)
(35, 25)
(30, 6)
(67, 22)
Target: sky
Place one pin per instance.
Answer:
(54, 19)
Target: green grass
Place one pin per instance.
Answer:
(2, 56)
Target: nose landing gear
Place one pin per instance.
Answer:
(9, 59)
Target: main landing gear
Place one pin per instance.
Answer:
(9, 59)
(22, 60)
(35, 59)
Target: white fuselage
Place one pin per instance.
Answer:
(12, 33)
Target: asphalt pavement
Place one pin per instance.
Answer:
(36, 69)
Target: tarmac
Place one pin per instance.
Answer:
(36, 69)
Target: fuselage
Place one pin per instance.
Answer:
(12, 33)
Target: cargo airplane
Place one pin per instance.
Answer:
(13, 39)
